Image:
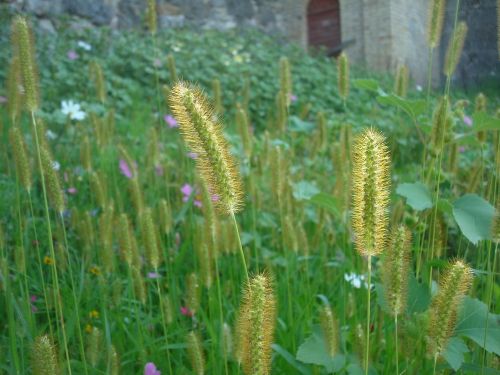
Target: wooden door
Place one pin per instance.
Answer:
(323, 24)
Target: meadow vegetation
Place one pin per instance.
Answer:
(223, 203)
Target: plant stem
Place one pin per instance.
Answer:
(163, 322)
(368, 295)
(396, 340)
(242, 254)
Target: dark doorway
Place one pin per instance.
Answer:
(323, 25)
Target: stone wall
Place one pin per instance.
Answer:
(389, 32)
(379, 34)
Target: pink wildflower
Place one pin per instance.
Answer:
(186, 191)
(72, 190)
(150, 369)
(125, 169)
(72, 55)
(171, 121)
(186, 312)
(467, 120)
(153, 275)
(192, 155)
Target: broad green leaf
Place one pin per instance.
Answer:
(474, 216)
(287, 356)
(417, 195)
(472, 324)
(326, 201)
(419, 297)
(313, 351)
(304, 190)
(300, 126)
(413, 108)
(483, 121)
(366, 84)
(454, 353)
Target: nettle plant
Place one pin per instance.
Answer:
(323, 230)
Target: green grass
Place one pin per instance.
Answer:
(305, 241)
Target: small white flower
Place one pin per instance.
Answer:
(418, 87)
(50, 134)
(356, 280)
(84, 45)
(56, 165)
(72, 109)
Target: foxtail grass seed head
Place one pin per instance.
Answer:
(23, 45)
(204, 137)
(244, 130)
(106, 230)
(441, 125)
(445, 305)
(86, 154)
(97, 190)
(370, 192)
(256, 323)
(322, 131)
(480, 106)
(139, 287)
(401, 82)
(455, 48)
(115, 361)
(171, 68)
(94, 346)
(15, 90)
(343, 75)
(20, 157)
(330, 328)
(151, 16)
(193, 292)
(54, 190)
(281, 112)
(150, 238)
(97, 77)
(435, 25)
(396, 269)
(285, 80)
(165, 216)
(195, 351)
(44, 357)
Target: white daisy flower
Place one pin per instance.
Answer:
(356, 280)
(50, 134)
(84, 45)
(73, 110)
(56, 165)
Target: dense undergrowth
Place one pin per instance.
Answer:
(122, 187)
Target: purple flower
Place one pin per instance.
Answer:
(153, 275)
(72, 55)
(186, 312)
(125, 169)
(461, 149)
(171, 121)
(3, 99)
(293, 98)
(215, 198)
(186, 191)
(150, 369)
(467, 120)
(192, 155)
(197, 203)
(72, 190)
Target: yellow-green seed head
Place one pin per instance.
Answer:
(106, 230)
(97, 77)
(20, 157)
(171, 68)
(193, 292)
(150, 238)
(455, 48)
(97, 190)
(94, 346)
(195, 351)
(86, 154)
(441, 125)
(139, 287)
(454, 285)
(44, 357)
(244, 130)
(151, 16)
(285, 80)
(435, 26)
(204, 137)
(330, 328)
(23, 45)
(343, 75)
(54, 190)
(256, 323)
(396, 269)
(15, 90)
(370, 192)
(401, 82)
(281, 112)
